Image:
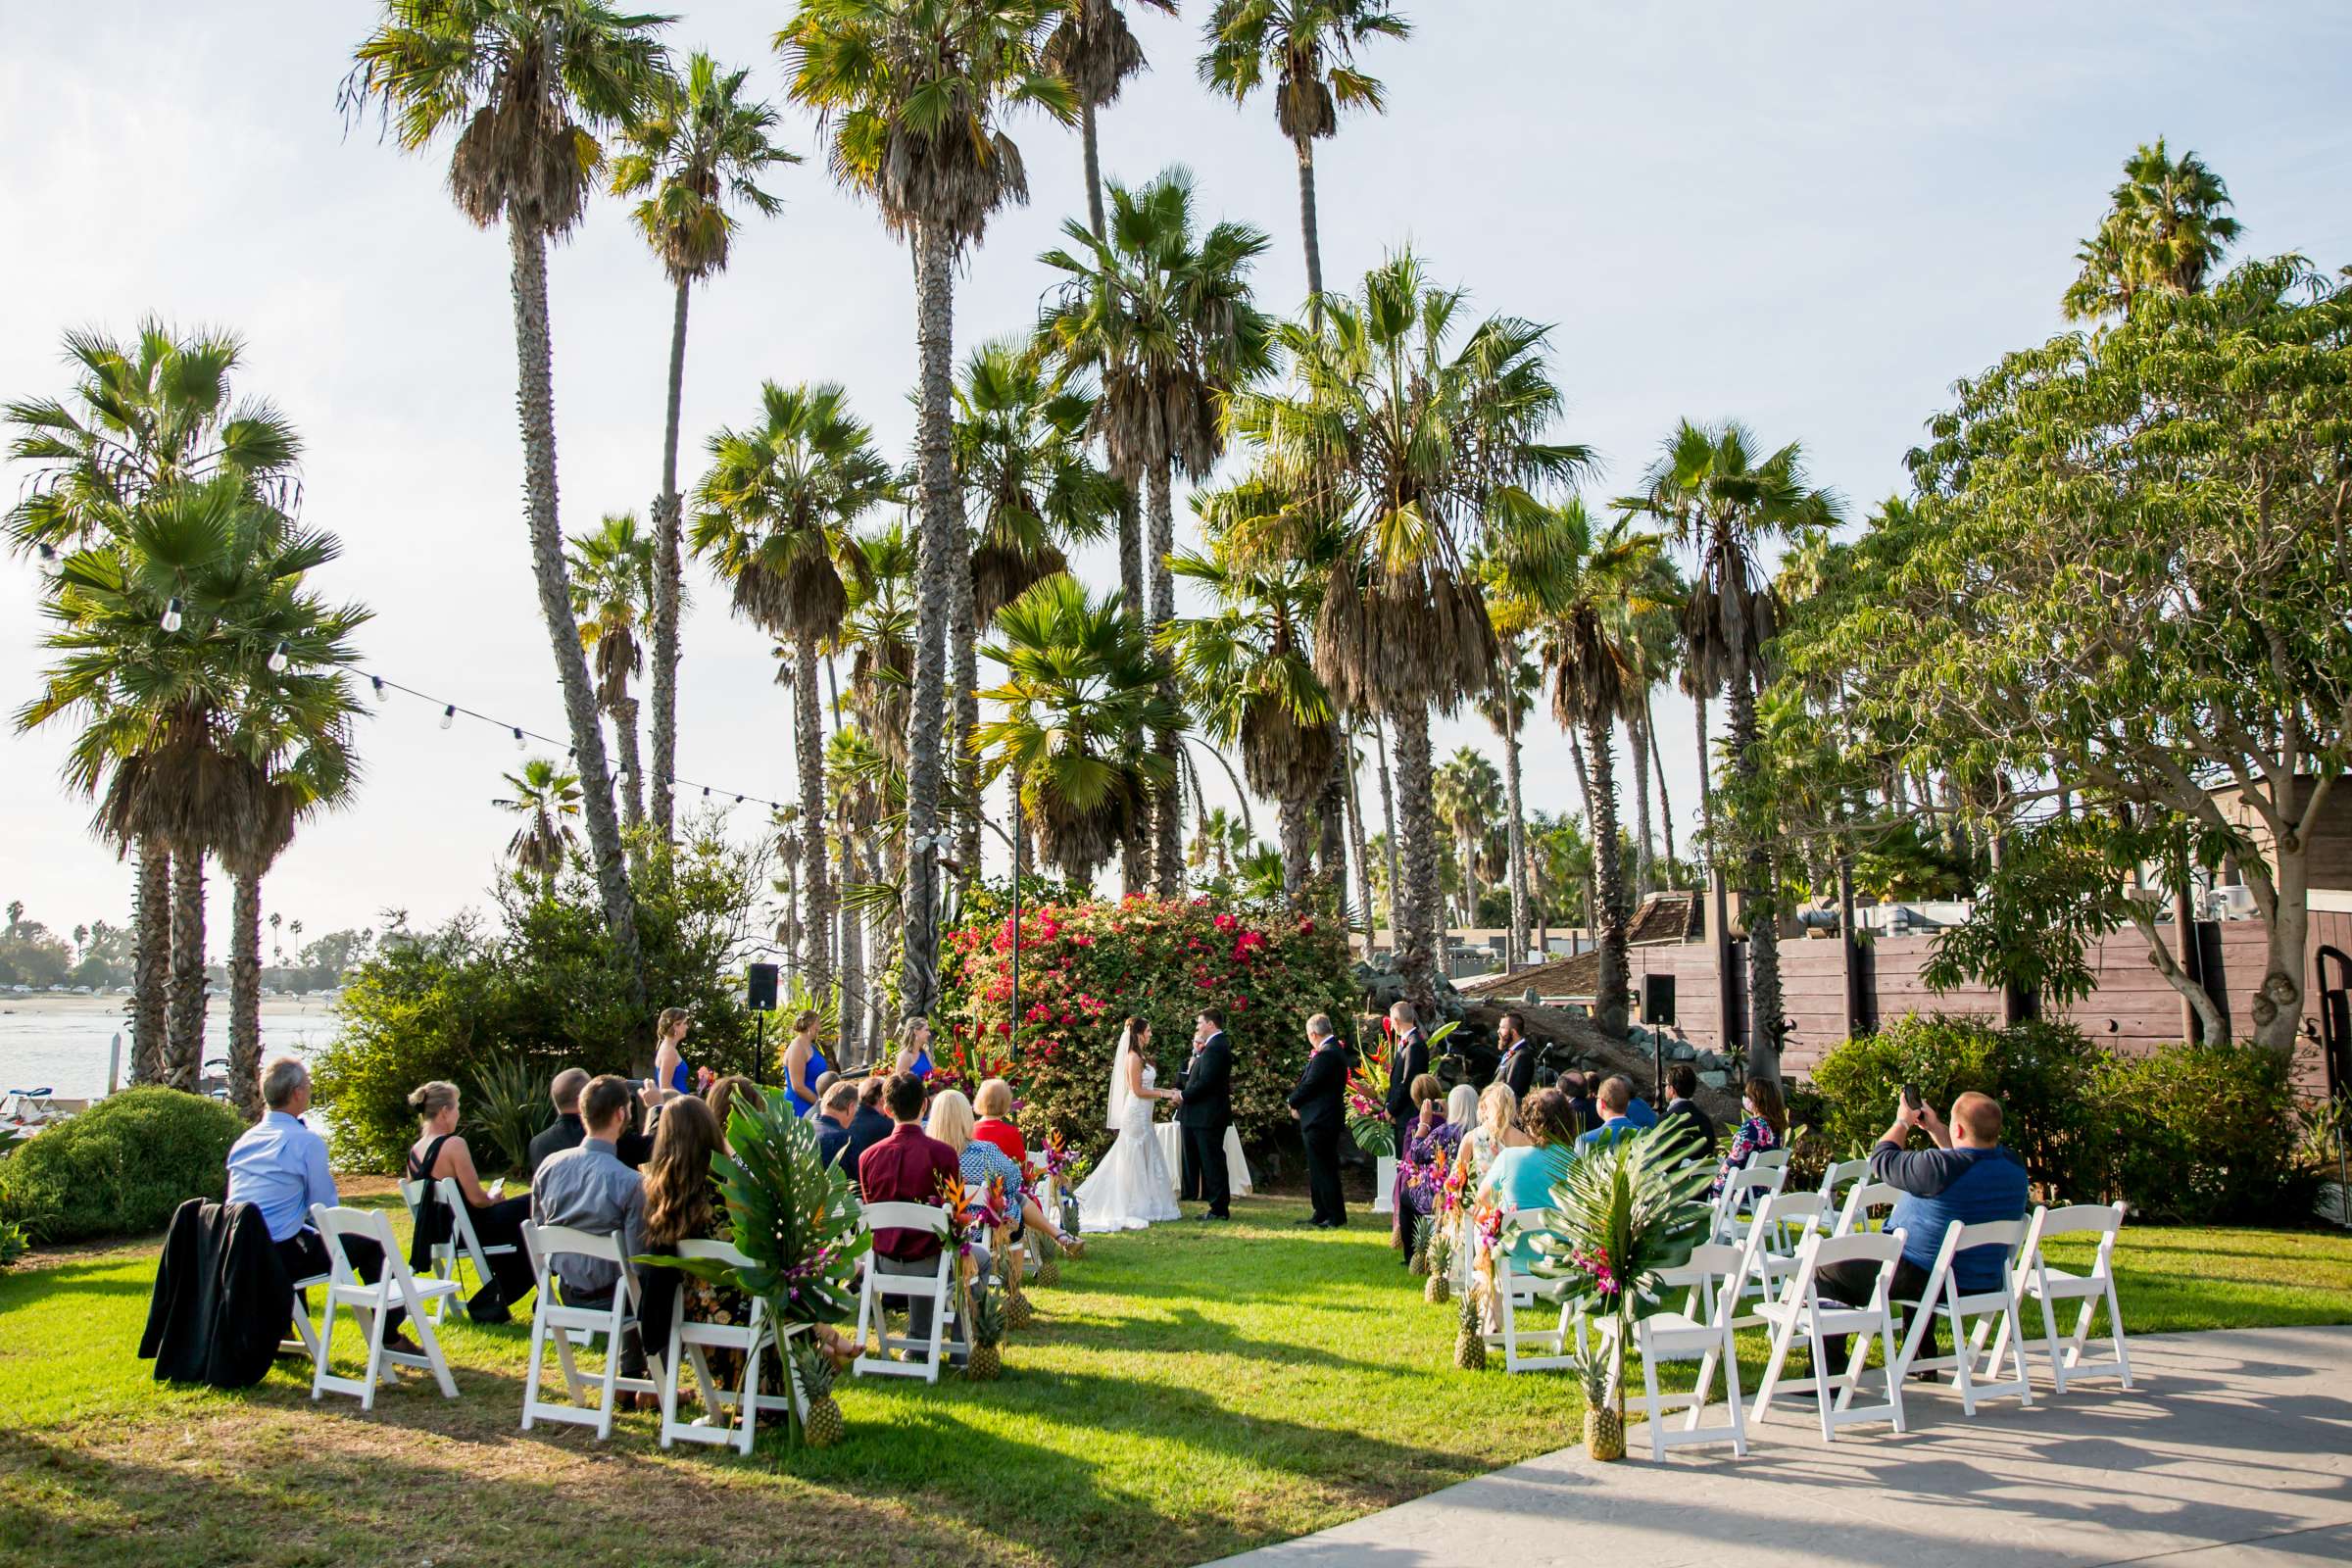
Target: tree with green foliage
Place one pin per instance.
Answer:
(547, 800)
(523, 88)
(612, 592)
(2165, 230)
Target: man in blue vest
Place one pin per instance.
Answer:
(1968, 1176)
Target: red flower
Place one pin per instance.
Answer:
(1225, 922)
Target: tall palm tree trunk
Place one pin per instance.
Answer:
(1387, 812)
(667, 527)
(184, 1066)
(1638, 748)
(1168, 818)
(1417, 899)
(1131, 524)
(851, 1019)
(941, 558)
(1719, 904)
(624, 732)
(1514, 833)
(1308, 226)
(1357, 838)
(1608, 876)
(1657, 759)
(534, 356)
(1757, 890)
(151, 965)
(808, 752)
(245, 995)
(967, 721)
(1584, 792)
(1297, 818)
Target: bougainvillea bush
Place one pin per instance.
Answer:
(1085, 966)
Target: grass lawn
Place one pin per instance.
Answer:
(1187, 1392)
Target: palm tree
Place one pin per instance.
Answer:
(2164, 231)
(912, 96)
(694, 145)
(1081, 693)
(1506, 706)
(1307, 47)
(1589, 655)
(1218, 837)
(548, 799)
(1249, 670)
(156, 412)
(1716, 500)
(524, 87)
(1408, 432)
(1095, 50)
(613, 586)
(775, 516)
(1467, 794)
(1022, 461)
(1162, 322)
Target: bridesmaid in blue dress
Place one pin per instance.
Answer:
(803, 1063)
(914, 1048)
(671, 1070)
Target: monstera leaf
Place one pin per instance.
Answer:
(1625, 1212)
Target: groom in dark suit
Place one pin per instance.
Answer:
(1205, 1110)
(1408, 1059)
(1320, 1102)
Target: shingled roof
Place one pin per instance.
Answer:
(1662, 917)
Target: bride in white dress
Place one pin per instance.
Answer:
(1130, 1189)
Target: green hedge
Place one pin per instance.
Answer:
(542, 992)
(121, 1168)
(2190, 1133)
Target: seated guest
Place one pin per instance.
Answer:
(567, 1132)
(835, 1112)
(1523, 1174)
(279, 1165)
(1578, 1087)
(635, 1144)
(439, 1154)
(1496, 1131)
(909, 1166)
(824, 1081)
(1764, 1125)
(1637, 1110)
(589, 1189)
(1461, 1111)
(1968, 1176)
(870, 1126)
(682, 1202)
(1615, 1099)
(978, 1161)
(994, 1103)
(1429, 1145)
(724, 1096)
(1682, 1079)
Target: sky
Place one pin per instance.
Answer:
(1809, 217)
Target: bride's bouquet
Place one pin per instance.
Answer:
(1368, 1106)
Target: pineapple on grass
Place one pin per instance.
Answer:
(987, 1330)
(822, 1425)
(1049, 1258)
(1422, 1230)
(1470, 1339)
(1604, 1420)
(1018, 1313)
(1440, 1289)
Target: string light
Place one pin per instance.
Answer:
(279, 658)
(384, 687)
(46, 551)
(171, 615)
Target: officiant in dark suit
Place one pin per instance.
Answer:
(1320, 1102)
(1205, 1111)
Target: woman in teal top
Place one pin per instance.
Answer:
(1522, 1176)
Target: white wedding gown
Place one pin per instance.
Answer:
(1131, 1188)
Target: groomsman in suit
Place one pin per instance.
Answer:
(1408, 1059)
(1518, 1065)
(1320, 1102)
(1205, 1110)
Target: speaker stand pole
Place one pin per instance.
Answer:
(759, 1050)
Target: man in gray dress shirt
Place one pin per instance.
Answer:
(589, 1189)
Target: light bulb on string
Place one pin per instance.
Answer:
(279, 658)
(46, 551)
(449, 715)
(383, 692)
(171, 615)
(519, 737)
(706, 792)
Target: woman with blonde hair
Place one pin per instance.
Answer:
(441, 1154)
(979, 1161)
(1497, 1110)
(914, 1047)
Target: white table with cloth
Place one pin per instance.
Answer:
(1171, 1149)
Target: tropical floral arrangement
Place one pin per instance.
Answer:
(1087, 964)
(1064, 1165)
(974, 1213)
(1369, 1103)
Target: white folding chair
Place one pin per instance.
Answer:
(1519, 1292)
(1769, 1160)
(1995, 1312)
(461, 1244)
(1743, 1190)
(1702, 1332)
(690, 1338)
(2035, 1278)
(1802, 1309)
(1841, 1174)
(443, 1255)
(1768, 1255)
(370, 1305)
(1868, 1207)
(567, 1325)
(306, 1333)
(874, 1295)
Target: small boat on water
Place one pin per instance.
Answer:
(26, 1111)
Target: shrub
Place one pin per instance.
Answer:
(1085, 966)
(2201, 1133)
(121, 1168)
(543, 992)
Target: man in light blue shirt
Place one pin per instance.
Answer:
(279, 1166)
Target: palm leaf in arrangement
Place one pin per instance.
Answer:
(1636, 1207)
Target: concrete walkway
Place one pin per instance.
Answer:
(2235, 1447)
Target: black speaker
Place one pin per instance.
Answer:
(1657, 999)
(761, 995)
